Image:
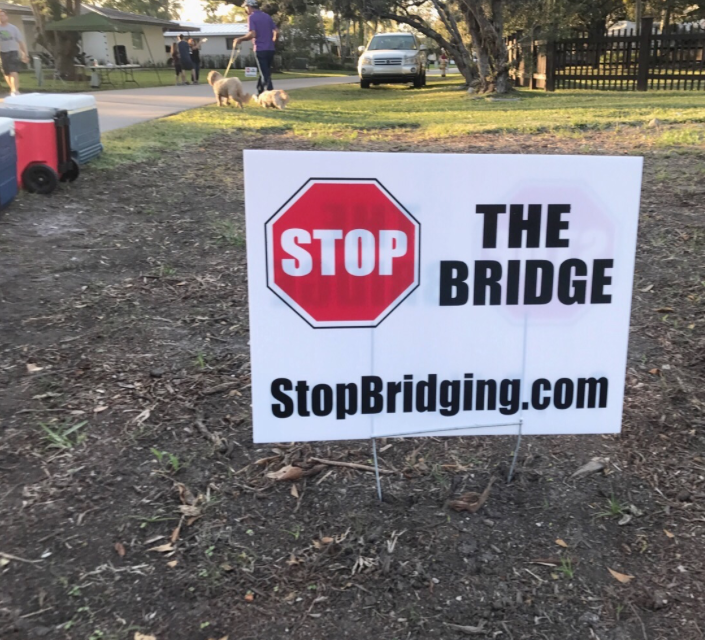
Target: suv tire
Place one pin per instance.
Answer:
(418, 82)
(364, 84)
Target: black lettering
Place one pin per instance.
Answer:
(571, 291)
(371, 400)
(345, 400)
(426, 394)
(322, 400)
(513, 273)
(554, 225)
(540, 400)
(488, 273)
(592, 385)
(509, 396)
(467, 392)
(285, 408)
(408, 393)
(449, 397)
(599, 281)
(491, 387)
(454, 289)
(393, 390)
(544, 293)
(301, 398)
(518, 224)
(563, 393)
(489, 225)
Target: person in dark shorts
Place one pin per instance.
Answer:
(178, 70)
(184, 56)
(261, 29)
(12, 49)
(195, 44)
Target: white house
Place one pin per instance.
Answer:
(138, 48)
(216, 39)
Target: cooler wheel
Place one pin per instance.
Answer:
(72, 173)
(40, 178)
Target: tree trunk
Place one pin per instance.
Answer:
(63, 45)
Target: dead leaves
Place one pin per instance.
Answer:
(622, 577)
(562, 543)
(120, 548)
(595, 465)
(292, 473)
(163, 548)
(33, 368)
(471, 501)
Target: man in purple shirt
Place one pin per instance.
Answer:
(261, 29)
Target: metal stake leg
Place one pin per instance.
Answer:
(516, 453)
(374, 455)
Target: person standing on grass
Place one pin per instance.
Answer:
(261, 29)
(195, 44)
(12, 48)
(184, 57)
(443, 63)
(178, 70)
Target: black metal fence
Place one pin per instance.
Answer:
(627, 60)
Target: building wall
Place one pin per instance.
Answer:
(100, 46)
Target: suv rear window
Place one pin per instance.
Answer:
(398, 43)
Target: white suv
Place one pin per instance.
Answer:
(392, 58)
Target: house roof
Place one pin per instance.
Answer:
(9, 7)
(206, 30)
(135, 18)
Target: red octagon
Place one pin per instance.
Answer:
(342, 253)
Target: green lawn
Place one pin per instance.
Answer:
(335, 115)
(145, 78)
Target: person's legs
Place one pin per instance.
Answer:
(194, 73)
(178, 72)
(265, 64)
(14, 82)
(10, 68)
(269, 55)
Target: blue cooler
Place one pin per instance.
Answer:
(84, 130)
(8, 162)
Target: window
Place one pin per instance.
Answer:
(137, 41)
(397, 43)
(229, 43)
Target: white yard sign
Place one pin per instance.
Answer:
(416, 293)
(250, 72)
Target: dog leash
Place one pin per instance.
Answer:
(232, 57)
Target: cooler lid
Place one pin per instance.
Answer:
(27, 113)
(67, 101)
(7, 125)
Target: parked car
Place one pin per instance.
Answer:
(392, 58)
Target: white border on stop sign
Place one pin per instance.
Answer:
(420, 337)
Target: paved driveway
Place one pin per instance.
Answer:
(121, 108)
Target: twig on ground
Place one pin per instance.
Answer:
(350, 465)
(9, 556)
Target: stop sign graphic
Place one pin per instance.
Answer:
(342, 253)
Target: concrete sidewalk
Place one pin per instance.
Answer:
(124, 107)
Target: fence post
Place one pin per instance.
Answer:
(550, 65)
(642, 74)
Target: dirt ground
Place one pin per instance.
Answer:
(133, 499)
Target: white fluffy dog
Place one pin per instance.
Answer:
(226, 89)
(276, 99)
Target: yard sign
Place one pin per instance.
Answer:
(250, 72)
(450, 294)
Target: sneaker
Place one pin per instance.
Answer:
(14, 93)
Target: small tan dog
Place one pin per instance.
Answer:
(226, 89)
(276, 99)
